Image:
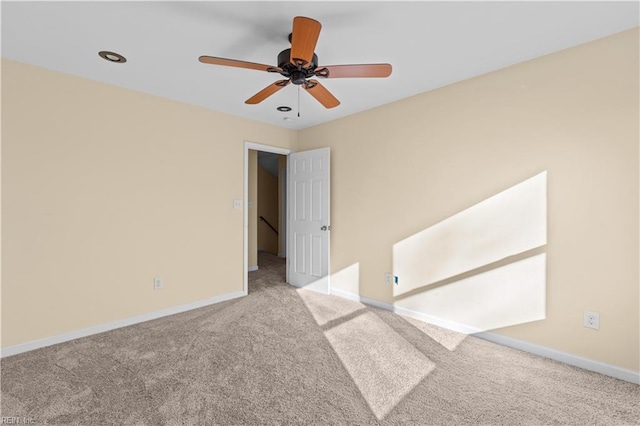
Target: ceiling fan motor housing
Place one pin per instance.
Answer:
(297, 74)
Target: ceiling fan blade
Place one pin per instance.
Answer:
(304, 39)
(266, 92)
(321, 94)
(234, 63)
(355, 71)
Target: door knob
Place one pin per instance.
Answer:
(324, 228)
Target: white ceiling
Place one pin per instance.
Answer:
(429, 44)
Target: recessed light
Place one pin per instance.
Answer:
(284, 108)
(288, 119)
(112, 56)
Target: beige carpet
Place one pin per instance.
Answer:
(287, 356)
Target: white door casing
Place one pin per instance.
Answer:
(308, 219)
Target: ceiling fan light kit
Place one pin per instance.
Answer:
(299, 65)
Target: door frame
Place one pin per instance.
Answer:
(245, 204)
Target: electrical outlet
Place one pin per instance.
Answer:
(157, 283)
(592, 320)
(388, 278)
(237, 204)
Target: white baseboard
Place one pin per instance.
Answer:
(564, 357)
(319, 286)
(252, 268)
(65, 337)
(461, 328)
(357, 298)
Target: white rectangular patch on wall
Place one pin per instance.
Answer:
(507, 295)
(506, 224)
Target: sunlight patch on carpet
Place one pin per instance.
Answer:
(326, 310)
(383, 365)
(448, 338)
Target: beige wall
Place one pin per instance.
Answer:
(103, 189)
(252, 216)
(404, 167)
(267, 208)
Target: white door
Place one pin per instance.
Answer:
(308, 248)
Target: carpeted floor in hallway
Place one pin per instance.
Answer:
(287, 356)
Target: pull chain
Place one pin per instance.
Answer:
(298, 101)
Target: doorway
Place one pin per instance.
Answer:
(306, 216)
(269, 233)
(270, 173)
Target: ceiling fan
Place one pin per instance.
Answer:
(299, 65)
